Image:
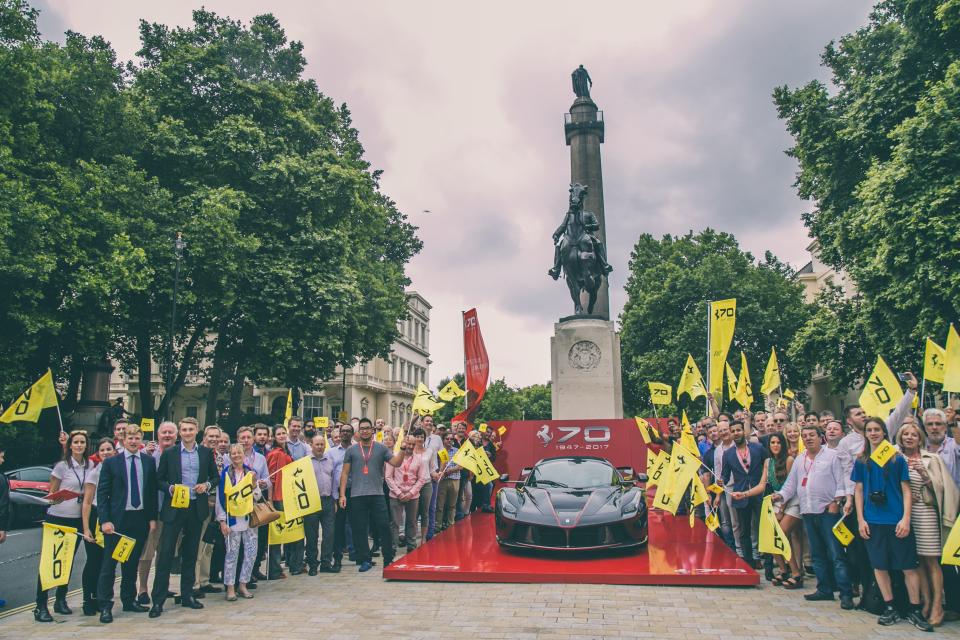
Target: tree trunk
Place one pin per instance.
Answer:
(182, 370)
(216, 377)
(73, 386)
(145, 375)
(236, 395)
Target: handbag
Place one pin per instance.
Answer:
(263, 513)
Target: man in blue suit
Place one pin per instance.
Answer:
(744, 464)
(126, 504)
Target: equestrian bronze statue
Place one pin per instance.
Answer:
(579, 252)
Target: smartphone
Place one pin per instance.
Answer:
(902, 377)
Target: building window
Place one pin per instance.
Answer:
(393, 413)
(403, 371)
(312, 406)
(364, 406)
(363, 368)
(192, 412)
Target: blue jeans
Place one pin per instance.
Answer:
(827, 554)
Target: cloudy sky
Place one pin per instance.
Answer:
(462, 107)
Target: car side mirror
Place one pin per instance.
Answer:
(505, 477)
(642, 478)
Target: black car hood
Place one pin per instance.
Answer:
(570, 507)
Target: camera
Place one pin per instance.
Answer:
(878, 498)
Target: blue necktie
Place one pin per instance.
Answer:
(134, 483)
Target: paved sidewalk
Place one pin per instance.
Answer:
(355, 605)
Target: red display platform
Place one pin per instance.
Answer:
(675, 555)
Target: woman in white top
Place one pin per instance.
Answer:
(68, 474)
(236, 529)
(93, 547)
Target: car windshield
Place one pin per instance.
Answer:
(35, 474)
(574, 474)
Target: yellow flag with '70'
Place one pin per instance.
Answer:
(301, 493)
(772, 539)
(881, 393)
(660, 393)
(723, 320)
(41, 395)
(883, 453)
(125, 545)
(180, 498)
(239, 497)
(951, 550)
(475, 459)
(657, 470)
(56, 555)
(285, 532)
(842, 533)
(643, 426)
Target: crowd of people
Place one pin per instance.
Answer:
(818, 470)
(376, 496)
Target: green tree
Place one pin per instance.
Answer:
(536, 402)
(664, 317)
(879, 157)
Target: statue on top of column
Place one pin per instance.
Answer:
(581, 82)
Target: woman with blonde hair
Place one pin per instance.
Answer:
(791, 433)
(935, 498)
(236, 529)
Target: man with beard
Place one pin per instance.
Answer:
(744, 469)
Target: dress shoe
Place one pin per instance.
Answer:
(42, 614)
(258, 575)
(133, 607)
(816, 596)
(190, 603)
(312, 571)
(199, 595)
(846, 603)
(143, 599)
(366, 566)
(90, 608)
(325, 568)
(209, 588)
(60, 606)
(336, 567)
(106, 615)
(155, 611)
(251, 585)
(296, 572)
(375, 552)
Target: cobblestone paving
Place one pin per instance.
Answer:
(354, 605)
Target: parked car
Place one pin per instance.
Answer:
(27, 488)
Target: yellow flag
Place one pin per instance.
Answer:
(450, 391)
(98, 534)
(660, 393)
(378, 436)
(691, 382)
(771, 377)
(146, 425)
(424, 403)
(712, 522)
(181, 496)
(321, 422)
(501, 430)
(715, 488)
(686, 436)
(301, 495)
(239, 497)
(731, 381)
(651, 462)
(744, 387)
(842, 533)
(125, 545)
(699, 491)
(723, 319)
(41, 395)
(288, 412)
(659, 469)
(951, 549)
(883, 453)
(683, 466)
(56, 556)
(789, 394)
(285, 532)
(475, 459)
(399, 442)
(934, 358)
(483, 427)
(951, 367)
(772, 540)
(444, 457)
(881, 393)
(643, 426)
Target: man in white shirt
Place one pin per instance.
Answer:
(817, 480)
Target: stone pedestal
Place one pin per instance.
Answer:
(585, 369)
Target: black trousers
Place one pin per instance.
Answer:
(190, 523)
(262, 547)
(292, 553)
(313, 524)
(340, 529)
(748, 516)
(135, 526)
(61, 592)
(369, 513)
(91, 570)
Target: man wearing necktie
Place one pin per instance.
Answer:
(191, 465)
(127, 505)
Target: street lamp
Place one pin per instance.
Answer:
(178, 246)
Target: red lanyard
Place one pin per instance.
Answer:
(366, 457)
(744, 459)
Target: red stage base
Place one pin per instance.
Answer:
(675, 555)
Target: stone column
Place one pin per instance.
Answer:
(584, 131)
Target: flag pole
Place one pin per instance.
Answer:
(59, 417)
(709, 378)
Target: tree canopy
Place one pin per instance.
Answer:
(879, 156)
(664, 318)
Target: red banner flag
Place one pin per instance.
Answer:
(476, 363)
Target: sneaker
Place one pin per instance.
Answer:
(888, 617)
(916, 619)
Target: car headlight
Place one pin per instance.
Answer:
(508, 508)
(631, 507)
